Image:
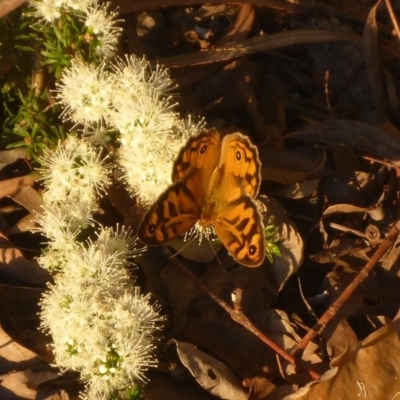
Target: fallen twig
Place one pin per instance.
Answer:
(393, 18)
(360, 278)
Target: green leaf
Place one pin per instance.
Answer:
(49, 61)
(24, 48)
(21, 131)
(15, 145)
(34, 129)
(48, 54)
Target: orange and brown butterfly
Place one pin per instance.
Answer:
(214, 182)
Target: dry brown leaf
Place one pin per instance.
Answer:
(289, 167)
(373, 61)
(24, 384)
(180, 292)
(339, 187)
(20, 307)
(213, 375)
(370, 371)
(13, 263)
(29, 198)
(359, 135)
(339, 336)
(129, 6)
(13, 356)
(11, 187)
(167, 389)
(231, 343)
(8, 157)
(260, 387)
(298, 190)
(25, 224)
(6, 6)
(344, 208)
(254, 45)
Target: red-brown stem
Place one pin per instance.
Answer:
(350, 289)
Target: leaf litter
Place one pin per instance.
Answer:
(316, 86)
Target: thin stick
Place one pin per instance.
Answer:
(358, 280)
(238, 316)
(327, 95)
(393, 17)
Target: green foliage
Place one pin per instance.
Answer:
(271, 242)
(32, 59)
(34, 125)
(132, 393)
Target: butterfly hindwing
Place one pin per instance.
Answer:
(175, 212)
(240, 229)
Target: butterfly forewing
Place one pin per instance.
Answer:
(196, 162)
(175, 212)
(240, 228)
(240, 165)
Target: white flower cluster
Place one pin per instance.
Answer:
(100, 327)
(100, 323)
(101, 23)
(73, 175)
(132, 99)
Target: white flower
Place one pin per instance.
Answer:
(120, 243)
(98, 325)
(141, 108)
(132, 323)
(150, 174)
(85, 92)
(90, 394)
(98, 135)
(189, 126)
(141, 119)
(46, 10)
(102, 24)
(63, 221)
(140, 76)
(74, 170)
(151, 131)
(81, 5)
(50, 10)
(57, 254)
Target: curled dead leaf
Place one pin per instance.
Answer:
(213, 375)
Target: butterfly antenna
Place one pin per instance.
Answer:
(213, 249)
(183, 247)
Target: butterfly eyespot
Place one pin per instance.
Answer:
(238, 155)
(252, 250)
(152, 228)
(203, 149)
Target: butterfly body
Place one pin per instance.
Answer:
(214, 181)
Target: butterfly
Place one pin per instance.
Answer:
(214, 182)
